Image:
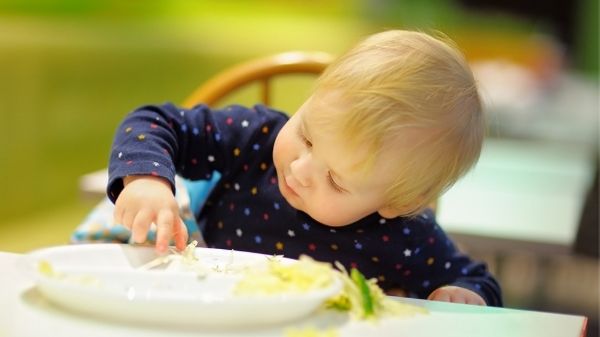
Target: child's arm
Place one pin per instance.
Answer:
(145, 200)
(157, 142)
(434, 268)
(151, 145)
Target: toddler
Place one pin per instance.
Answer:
(390, 125)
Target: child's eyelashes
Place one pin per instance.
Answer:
(333, 184)
(330, 180)
(305, 140)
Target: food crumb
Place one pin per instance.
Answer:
(311, 332)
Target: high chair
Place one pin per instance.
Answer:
(262, 71)
(98, 226)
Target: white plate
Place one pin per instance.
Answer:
(108, 284)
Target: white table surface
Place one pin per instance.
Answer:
(24, 312)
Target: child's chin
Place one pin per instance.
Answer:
(327, 220)
(292, 199)
(295, 204)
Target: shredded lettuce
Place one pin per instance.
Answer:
(185, 260)
(361, 297)
(45, 268)
(364, 299)
(276, 277)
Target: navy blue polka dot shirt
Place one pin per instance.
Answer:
(246, 211)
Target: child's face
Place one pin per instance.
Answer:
(316, 170)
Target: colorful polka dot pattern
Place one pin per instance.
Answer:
(247, 212)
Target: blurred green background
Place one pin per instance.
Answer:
(71, 69)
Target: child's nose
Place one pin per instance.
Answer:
(302, 169)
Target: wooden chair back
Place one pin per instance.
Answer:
(262, 71)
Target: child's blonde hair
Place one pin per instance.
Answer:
(397, 81)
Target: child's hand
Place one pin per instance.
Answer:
(456, 295)
(146, 200)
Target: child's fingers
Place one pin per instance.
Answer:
(164, 229)
(181, 235)
(118, 215)
(457, 298)
(127, 218)
(475, 299)
(439, 295)
(140, 225)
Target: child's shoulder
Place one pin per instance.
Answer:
(257, 110)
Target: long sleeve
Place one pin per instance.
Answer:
(429, 260)
(167, 140)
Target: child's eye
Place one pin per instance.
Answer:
(305, 140)
(332, 183)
